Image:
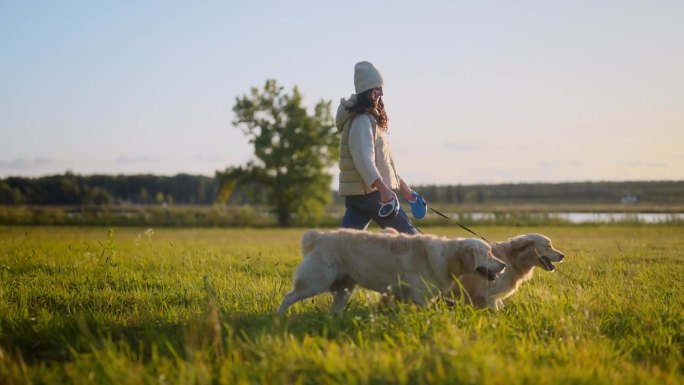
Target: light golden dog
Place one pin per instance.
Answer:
(409, 267)
(521, 254)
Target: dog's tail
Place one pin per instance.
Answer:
(309, 240)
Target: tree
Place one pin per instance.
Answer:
(98, 196)
(9, 195)
(459, 194)
(293, 151)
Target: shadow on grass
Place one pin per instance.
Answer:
(212, 330)
(62, 337)
(299, 325)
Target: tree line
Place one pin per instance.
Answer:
(665, 192)
(184, 189)
(73, 189)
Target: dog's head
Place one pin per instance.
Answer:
(530, 250)
(475, 257)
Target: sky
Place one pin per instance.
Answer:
(476, 91)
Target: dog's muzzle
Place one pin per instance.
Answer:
(547, 263)
(490, 275)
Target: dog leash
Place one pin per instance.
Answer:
(461, 226)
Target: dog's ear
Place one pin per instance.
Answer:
(460, 257)
(468, 259)
(434, 249)
(520, 244)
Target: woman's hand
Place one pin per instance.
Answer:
(386, 194)
(406, 191)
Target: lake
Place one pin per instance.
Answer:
(579, 217)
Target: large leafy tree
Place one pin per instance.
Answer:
(293, 152)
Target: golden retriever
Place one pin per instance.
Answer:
(410, 267)
(521, 254)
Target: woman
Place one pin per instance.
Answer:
(368, 178)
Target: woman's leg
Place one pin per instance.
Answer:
(362, 208)
(355, 216)
(400, 222)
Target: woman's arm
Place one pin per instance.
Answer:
(362, 149)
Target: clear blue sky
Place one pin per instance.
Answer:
(476, 91)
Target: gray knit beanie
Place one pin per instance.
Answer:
(366, 77)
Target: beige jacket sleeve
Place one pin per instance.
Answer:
(362, 148)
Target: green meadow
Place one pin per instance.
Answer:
(196, 306)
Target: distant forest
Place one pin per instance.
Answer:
(72, 189)
(184, 189)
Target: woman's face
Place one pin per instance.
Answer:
(376, 95)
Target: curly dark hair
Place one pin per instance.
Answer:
(366, 104)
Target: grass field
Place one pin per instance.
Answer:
(195, 306)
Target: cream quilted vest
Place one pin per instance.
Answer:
(351, 182)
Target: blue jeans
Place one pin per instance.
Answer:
(361, 209)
